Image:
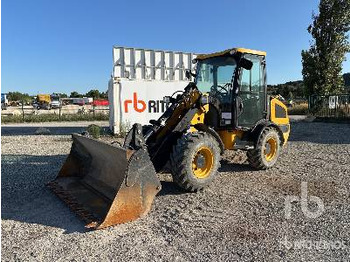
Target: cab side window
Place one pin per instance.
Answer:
(251, 80)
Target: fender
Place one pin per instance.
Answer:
(211, 131)
(256, 132)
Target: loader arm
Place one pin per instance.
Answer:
(164, 132)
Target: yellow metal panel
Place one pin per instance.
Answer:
(286, 136)
(216, 54)
(228, 51)
(277, 120)
(229, 137)
(198, 118)
(250, 51)
(274, 119)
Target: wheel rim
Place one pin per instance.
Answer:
(202, 162)
(270, 149)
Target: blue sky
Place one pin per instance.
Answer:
(61, 46)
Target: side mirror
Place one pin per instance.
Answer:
(245, 63)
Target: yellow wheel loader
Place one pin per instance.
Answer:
(225, 108)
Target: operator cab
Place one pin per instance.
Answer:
(235, 80)
(214, 76)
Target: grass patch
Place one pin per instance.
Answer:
(298, 109)
(94, 130)
(53, 118)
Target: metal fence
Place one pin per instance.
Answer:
(330, 106)
(24, 113)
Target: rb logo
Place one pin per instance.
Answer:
(304, 199)
(136, 103)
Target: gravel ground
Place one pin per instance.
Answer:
(241, 216)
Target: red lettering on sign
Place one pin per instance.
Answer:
(136, 103)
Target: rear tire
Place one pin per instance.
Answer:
(195, 160)
(267, 150)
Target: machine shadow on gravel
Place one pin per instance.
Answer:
(26, 198)
(170, 188)
(227, 166)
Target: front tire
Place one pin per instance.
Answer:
(195, 160)
(267, 150)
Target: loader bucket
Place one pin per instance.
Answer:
(106, 184)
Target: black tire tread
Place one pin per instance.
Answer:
(179, 160)
(255, 156)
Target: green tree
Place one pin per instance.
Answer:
(291, 89)
(18, 96)
(95, 94)
(104, 95)
(14, 96)
(322, 63)
(62, 95)
(75, 94)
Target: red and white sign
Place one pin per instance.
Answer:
(139, 101)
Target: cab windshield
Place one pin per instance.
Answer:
(214, 76)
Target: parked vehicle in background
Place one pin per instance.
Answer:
(88, 100)
(4, 101)
(66, 101)
(46, 101)
(100, 102)
(82, 101)
(55, 101)
(42, 101)
(78, 101)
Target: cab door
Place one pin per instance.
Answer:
(251, 96)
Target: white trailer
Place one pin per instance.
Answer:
(140, 80)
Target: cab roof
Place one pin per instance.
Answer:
(231, 51)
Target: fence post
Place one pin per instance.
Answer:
(336, 105)
(59, 109)
(93, 111)
(23, 111)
